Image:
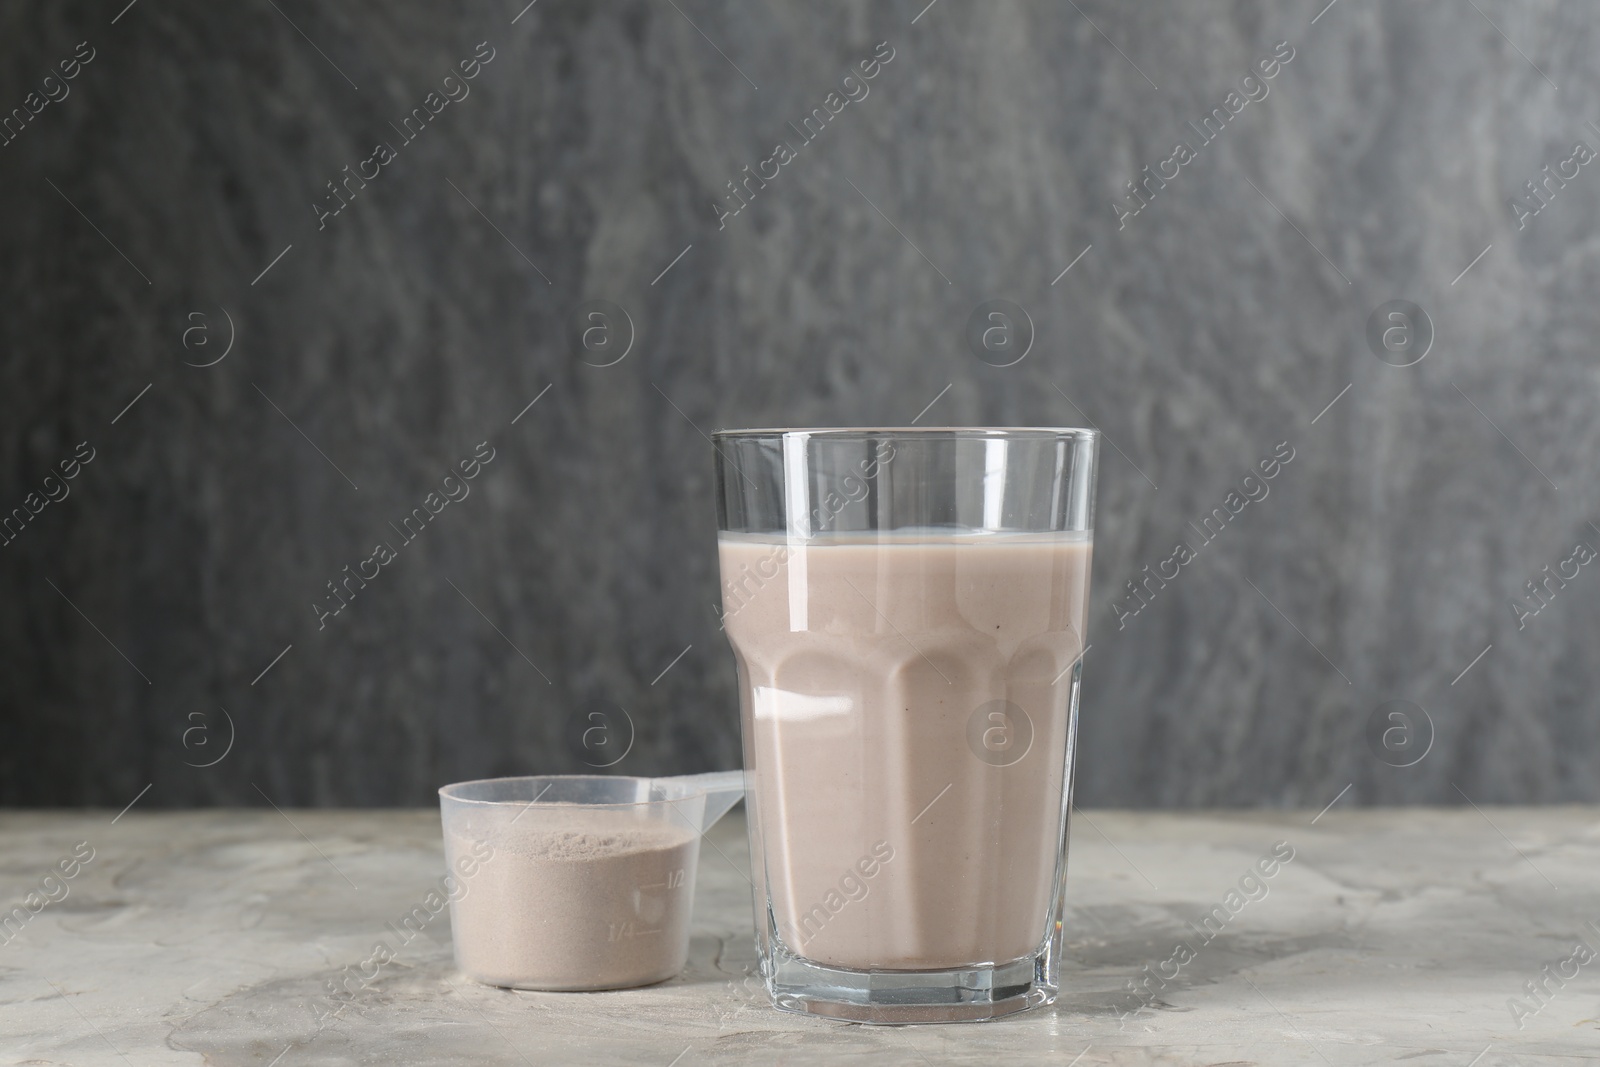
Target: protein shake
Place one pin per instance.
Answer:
(905, 703)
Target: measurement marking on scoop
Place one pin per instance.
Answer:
(674, 881)
(626, 931)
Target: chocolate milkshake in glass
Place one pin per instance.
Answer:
(906, 609)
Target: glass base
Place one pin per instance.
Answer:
(901, 998)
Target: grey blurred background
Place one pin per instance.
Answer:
(164, 205)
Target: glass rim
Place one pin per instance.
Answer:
(450, 792)
(866, 432)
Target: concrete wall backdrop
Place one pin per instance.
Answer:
(173, 198)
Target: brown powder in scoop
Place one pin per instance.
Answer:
(579, 898)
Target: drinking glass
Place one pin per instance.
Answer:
(906, 609)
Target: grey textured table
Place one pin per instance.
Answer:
(212, 937)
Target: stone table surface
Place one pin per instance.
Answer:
(210, 937)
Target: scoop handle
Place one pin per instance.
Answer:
(723, 789)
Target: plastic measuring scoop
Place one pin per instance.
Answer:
(722, 789)
(575, 882)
